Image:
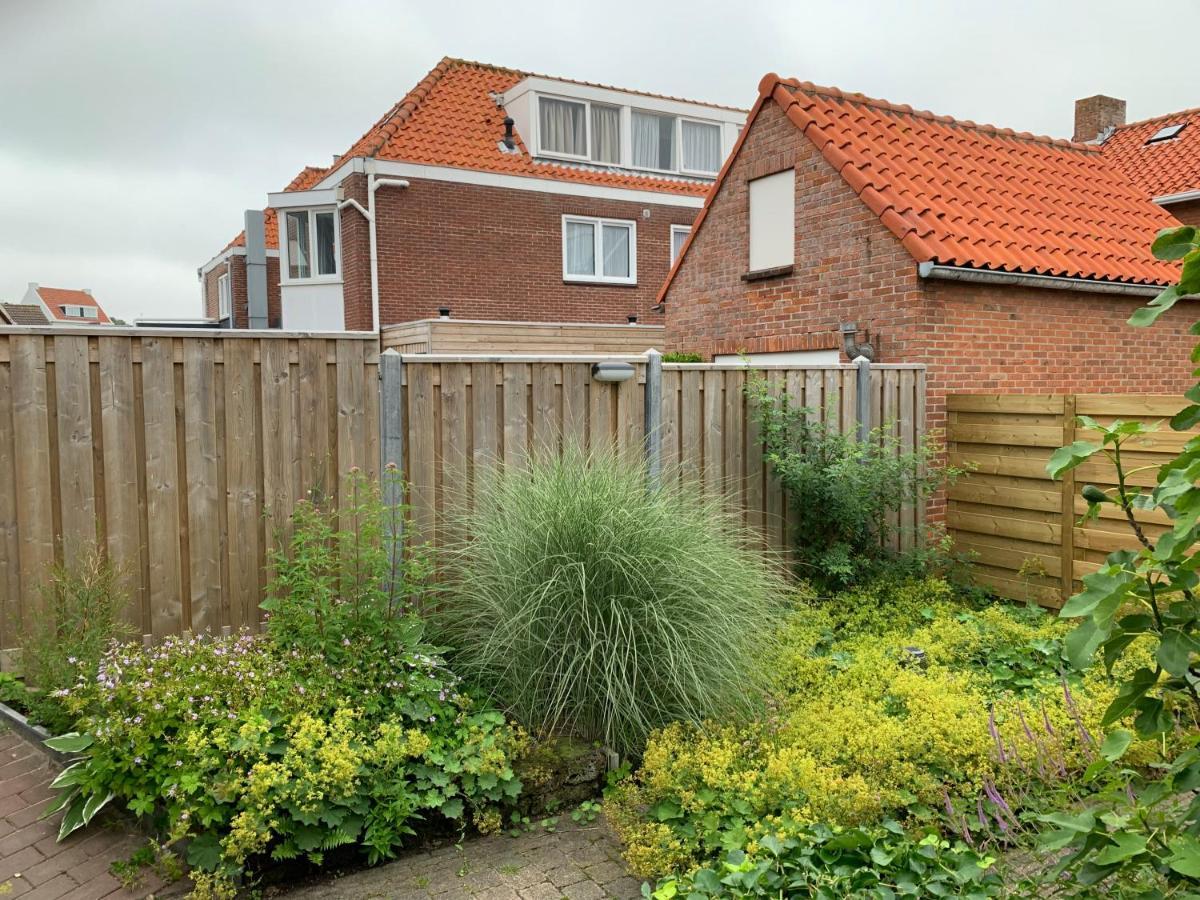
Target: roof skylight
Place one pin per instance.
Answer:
(1167, 132)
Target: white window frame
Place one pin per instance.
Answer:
(678, 229)
(78, 311)
(598, 277)
(626, 136)
(285, 263)
(224, 297)
(679, 120)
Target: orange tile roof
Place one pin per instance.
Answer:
(55, 298)
(1164, 167)
(451, 119)
(957, 193)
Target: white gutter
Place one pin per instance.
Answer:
(1181, 197)
(985, 276)
(373, 184)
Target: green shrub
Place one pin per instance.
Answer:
(819, 861)
(676, 356)
(339, 726)
(841, 492)
(82, 616)
(592, 605)
(880, 709)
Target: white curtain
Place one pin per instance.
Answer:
(653, 141)
(606, 133)
(326, 244)
(563, 126)
(678, 239)
(701, 147)
(299, 265)
(581, 248)
(616, 251)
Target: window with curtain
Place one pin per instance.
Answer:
(601, 250)
(562, 126)
(653, 141)
(701, 144)
(606, 133)
(311, 244)
(679, 236)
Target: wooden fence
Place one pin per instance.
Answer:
(1018, 523)
(462, 413)
(478, 336)
(179, 455)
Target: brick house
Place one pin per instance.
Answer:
(492, 193)
(60, 306)
(1003, 261)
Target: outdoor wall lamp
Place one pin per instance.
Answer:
(612, 371)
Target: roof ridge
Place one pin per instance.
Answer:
(905, 109)
(1190, 111)
(392, 121)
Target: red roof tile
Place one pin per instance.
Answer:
(957, 193)
(308, 176)
(1164, 167)
(56, 298)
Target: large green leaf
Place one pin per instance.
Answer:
(72, 818)
(1066, 458)
(1081, 644)
(1186, 418)
(1174, 243)
(1175, 650)
(1148, 314)
(1126, 844)
(1115, 744)
(1185, 855)
(1082, 822)
(204, 852)
(1131, 692)
(1101, 596)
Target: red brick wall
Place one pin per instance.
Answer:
(236, 265)
(494, 253)
(356, 256)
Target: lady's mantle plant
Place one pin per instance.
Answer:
(338, 726)
(1143, 831)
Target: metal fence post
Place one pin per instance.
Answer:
(653, 433)
(391, 443)
(862, 409)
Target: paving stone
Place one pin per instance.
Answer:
(543, 891)
(609, 870)
(584, 890)
(565, 875)
(497, 892)
(625, 886)
(53, 889)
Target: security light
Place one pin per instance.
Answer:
(612, 371)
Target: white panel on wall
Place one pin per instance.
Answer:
(773, 221)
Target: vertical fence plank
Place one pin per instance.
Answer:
(670, 423)
(454, 436)
(754, 464)
(241, 477)
(10, 571)
(485, 413)
(575, 381)
(714, 431)
(204, 538)
(422, 465)
(1067, 487)
(516, 414)
(774, 507)
(314, 417)
(76, 476)
(352, 400)
(278, 437)
(162, 487)
(690, 425)
(734, 444)
(118, 423)
(547, 421)
(907, 435)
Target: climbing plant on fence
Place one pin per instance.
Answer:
(1140, 613)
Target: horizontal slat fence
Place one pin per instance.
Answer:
(1017, 523)
(462, 414)
(181, 456)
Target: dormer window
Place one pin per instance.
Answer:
(579, 130)
(633, 138)
(71, 311)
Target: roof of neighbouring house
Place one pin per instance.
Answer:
(451, 119)
(1159, 167)
(961, 194)
(307, 177)
(56, 298)
(23, 314)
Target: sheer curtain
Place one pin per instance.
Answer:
(653, 141)
(606, 133)
(701, 147)
(299, 265)
(581, 248)
(616, 251)
(563, 126)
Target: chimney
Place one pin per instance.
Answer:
(256, 270)
(1096, 115)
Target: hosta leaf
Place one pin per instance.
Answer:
(72, 818)
(70, 776)
(94, 804)
(74, 742)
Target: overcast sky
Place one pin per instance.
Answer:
(134, 134)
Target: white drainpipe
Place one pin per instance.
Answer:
(373, 184)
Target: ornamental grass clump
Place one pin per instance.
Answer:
(591, 604)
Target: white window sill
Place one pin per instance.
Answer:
(609, 282)
(303, 282)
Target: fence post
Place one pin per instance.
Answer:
(862, 409)
(1067, 536)
(653, 432)
(391, 443)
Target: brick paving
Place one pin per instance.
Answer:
(576, 862)
(33, 865)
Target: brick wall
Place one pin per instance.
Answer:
(493, 253)
(236, 266)
(1187, 212)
